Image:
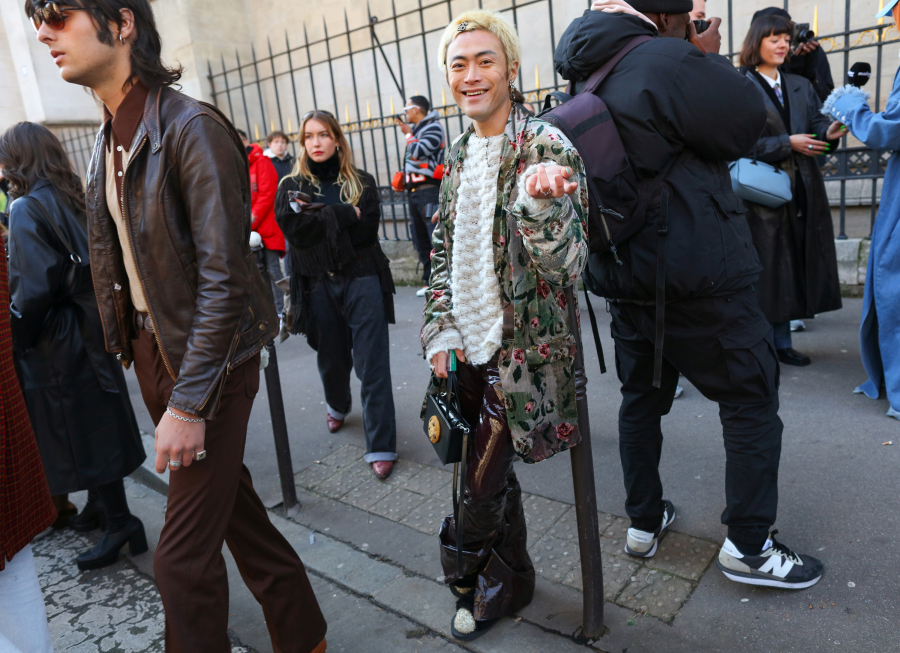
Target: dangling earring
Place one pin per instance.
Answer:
(512, 91)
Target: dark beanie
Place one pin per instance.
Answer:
(663, 6)
(771, 11)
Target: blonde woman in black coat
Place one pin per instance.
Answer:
(795, 241)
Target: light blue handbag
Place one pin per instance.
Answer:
(761, 183)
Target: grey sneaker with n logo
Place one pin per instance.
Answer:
(775, 566)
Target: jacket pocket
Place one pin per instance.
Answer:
(751, 360)
(741, 258)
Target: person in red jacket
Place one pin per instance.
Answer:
(26, 508)
(263, 185)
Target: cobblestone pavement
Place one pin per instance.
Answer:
(116, 609)
(418, 496)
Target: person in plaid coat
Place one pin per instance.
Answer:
(26, 508)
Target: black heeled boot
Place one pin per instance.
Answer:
(91, 517)
(121, 528)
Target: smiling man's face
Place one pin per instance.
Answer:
(76, 49)
(478, 75)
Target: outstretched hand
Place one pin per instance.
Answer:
(550, 181)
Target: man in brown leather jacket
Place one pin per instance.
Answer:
(180, 296)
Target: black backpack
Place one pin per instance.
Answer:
(618, 203)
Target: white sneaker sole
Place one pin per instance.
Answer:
(738, 577)
(646, 554)
(652, 551)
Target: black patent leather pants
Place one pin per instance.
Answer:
(495, 555)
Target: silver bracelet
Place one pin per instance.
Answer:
(184, 419)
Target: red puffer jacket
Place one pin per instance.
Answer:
(25, 505)
(263, 186)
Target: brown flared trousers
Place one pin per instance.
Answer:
(495, 554)
(213, 502)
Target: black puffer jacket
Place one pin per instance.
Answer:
(667, 97)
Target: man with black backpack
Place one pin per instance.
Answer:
(677, 264)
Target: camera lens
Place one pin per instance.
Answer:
(701, 26)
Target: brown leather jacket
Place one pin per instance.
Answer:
(186, 204)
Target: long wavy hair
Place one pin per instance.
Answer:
(351, 184)
(146, 45)
(30, 153)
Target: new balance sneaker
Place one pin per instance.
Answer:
(643, 543)
(776, 566)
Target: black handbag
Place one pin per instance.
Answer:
(448, 432)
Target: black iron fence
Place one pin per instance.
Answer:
(365, 74)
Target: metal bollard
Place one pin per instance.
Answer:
(586, 497)
(279, 430)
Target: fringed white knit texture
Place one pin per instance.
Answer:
(477, 309)
(840, 92)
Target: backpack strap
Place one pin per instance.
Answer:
(595, 331)
(600, 75)
(73, 255)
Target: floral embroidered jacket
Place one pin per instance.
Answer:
(540, 249)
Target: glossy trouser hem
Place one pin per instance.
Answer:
(494, 549)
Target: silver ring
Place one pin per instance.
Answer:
(200, 455)
(174, 463)
(810, 147)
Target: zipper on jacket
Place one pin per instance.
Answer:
(162, 352)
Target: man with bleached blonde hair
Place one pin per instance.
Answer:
(510, 242)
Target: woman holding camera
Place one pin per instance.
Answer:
(341, 284)
(795, 241)
(75, 391)
(510, 244)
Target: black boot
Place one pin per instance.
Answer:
(91, 517)
(65, 510)
(107, 550)
(121, 528)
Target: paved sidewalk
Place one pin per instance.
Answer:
(838, 491)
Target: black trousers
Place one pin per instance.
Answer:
(421, 228)
(495, 553)
(349, 331)
(723, 345)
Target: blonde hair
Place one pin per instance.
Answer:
(484, 20)
(351, 184)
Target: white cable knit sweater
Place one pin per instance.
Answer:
(477, 309)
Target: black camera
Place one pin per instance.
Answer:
(802, 34)
(702, 25)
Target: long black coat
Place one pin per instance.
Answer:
(666, 97)
(74, 390)
(800, 276)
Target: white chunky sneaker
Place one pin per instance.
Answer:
(776, 566)
(642, 544)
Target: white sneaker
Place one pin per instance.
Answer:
(678, 391)
(776, 566)
(421, 291)
(798, 325)
(642, 544)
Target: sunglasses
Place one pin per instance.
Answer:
(53, 15)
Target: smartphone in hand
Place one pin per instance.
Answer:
(299, 196)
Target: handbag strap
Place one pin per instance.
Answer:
(73, 255)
